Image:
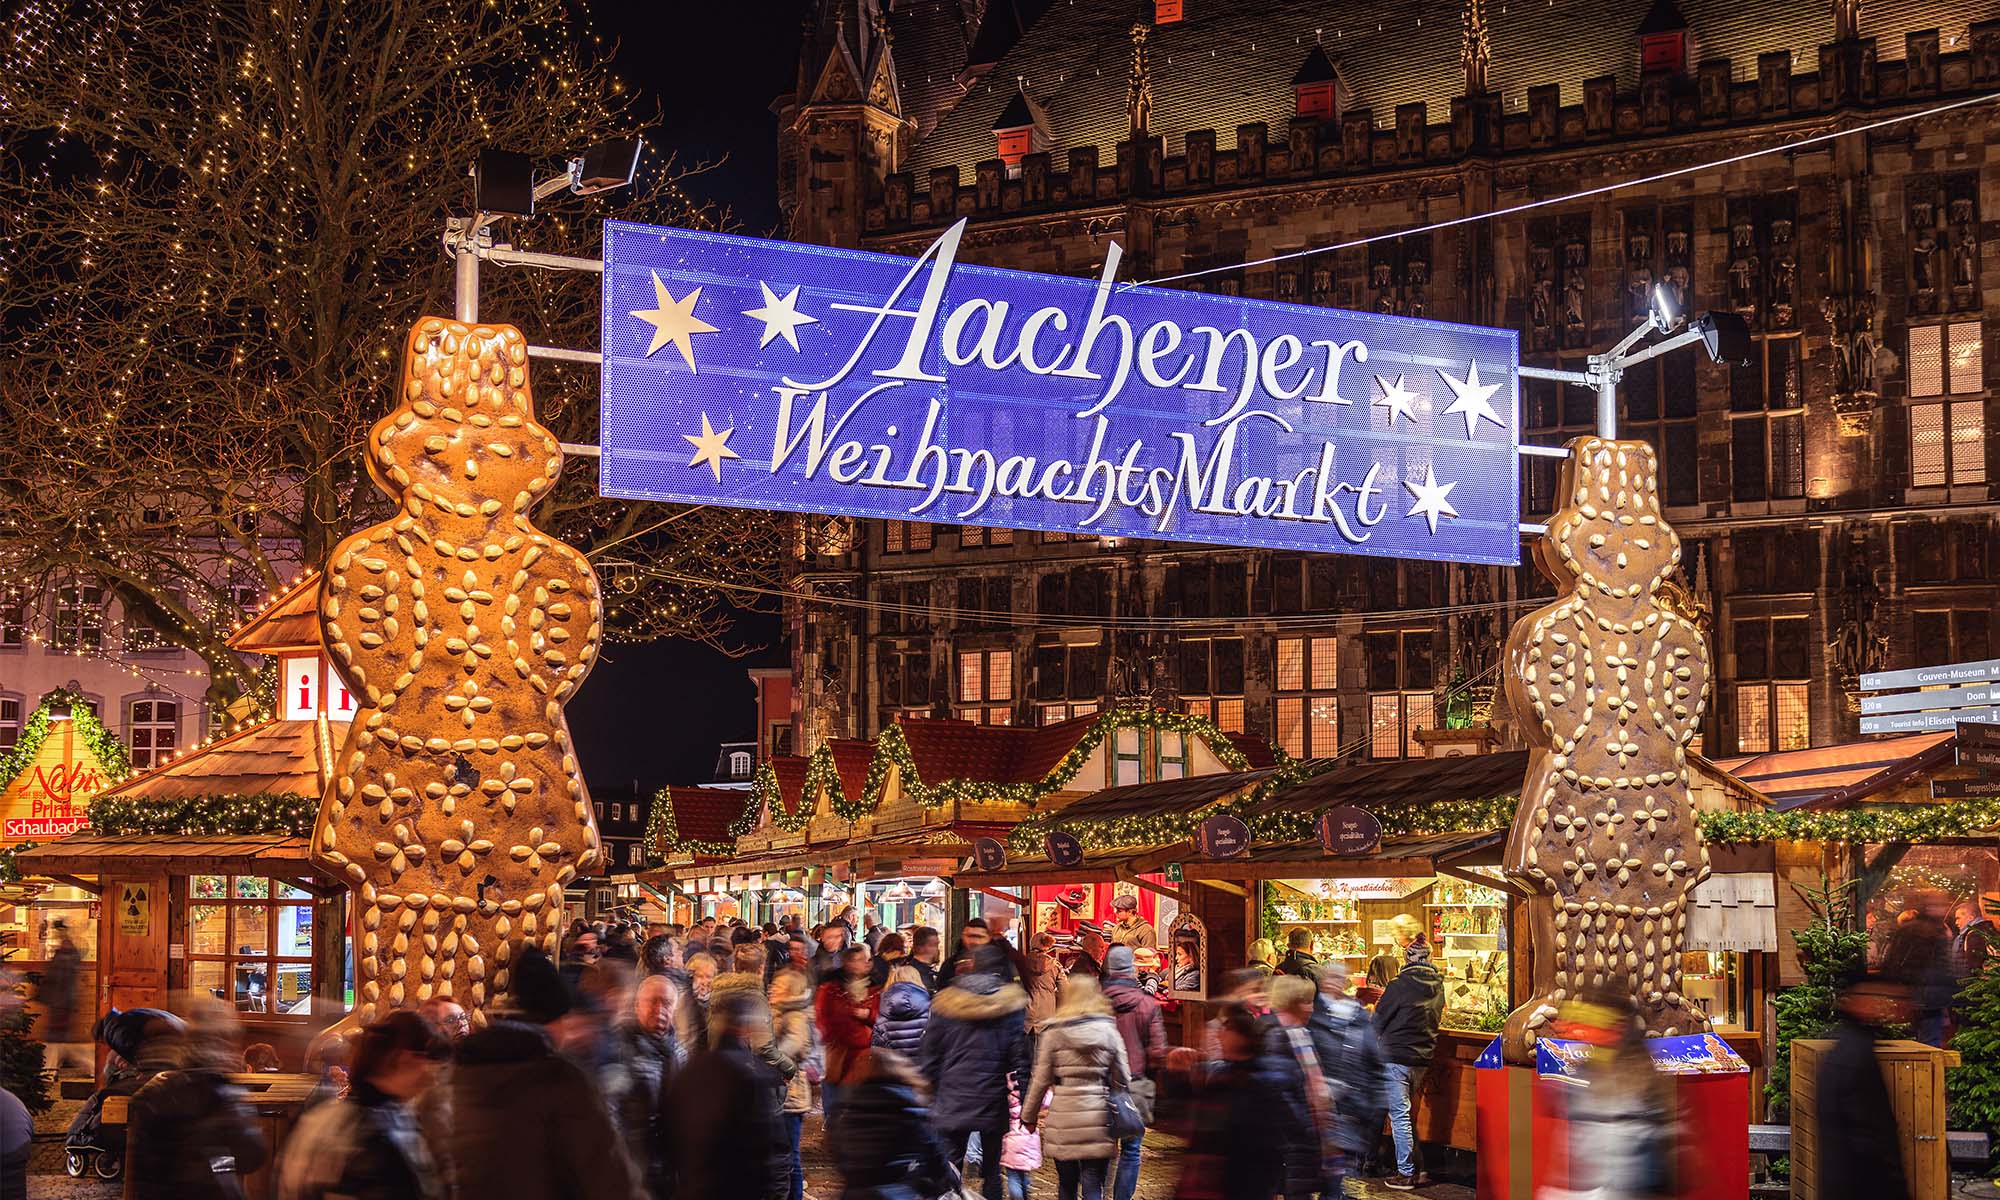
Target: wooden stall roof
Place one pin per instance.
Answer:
(1098, 866)
(277, 854)
(274, 757)
(1161, 796)
(1406, 780)
(1832, 776)
(1419, 854)
(290, 622)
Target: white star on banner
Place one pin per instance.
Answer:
(1396, 398)
(781, 316)
(1431, 503)
(1472, 399)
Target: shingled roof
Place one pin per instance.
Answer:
(790, 772)
(273, 758)
(704, 814)
(1231, 62)
(851, 757)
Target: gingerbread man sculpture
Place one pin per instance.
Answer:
(457, 812)
(1609, 684)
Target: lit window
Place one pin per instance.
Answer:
(1400, 675)
(1126, 764)
(154, 731)
(249, 944)
(1309, 725)
(79, 617)
(10, 722)
(13, 619)
(1947, 437)
(985, 686)
(1393, 721)
(1211, 680)
(1174, 754)
(617, 811)
(974, 537)
(906, 537)
(1773, 689)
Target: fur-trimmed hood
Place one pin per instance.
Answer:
(979, 998)
(731, 981)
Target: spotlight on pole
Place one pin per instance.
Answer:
(606, 166)
(1726, 336)
(503, 183)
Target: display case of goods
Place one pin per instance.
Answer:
(1467, 925)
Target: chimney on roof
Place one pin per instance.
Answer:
(1475, 51)
(1663, 39)
(1316, 88)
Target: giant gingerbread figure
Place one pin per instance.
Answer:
(457, 812)
(1609, 684)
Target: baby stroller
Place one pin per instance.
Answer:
(91, 1145)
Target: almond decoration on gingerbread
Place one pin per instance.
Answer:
(1609, 682)
(457, 811)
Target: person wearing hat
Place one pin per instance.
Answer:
(527, 1123)
(1128, 929)
(1145, 1033)
(1406, 1023)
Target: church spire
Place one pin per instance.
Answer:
(1139, 87)
(1475, 52)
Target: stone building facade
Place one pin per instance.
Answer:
(1836, 497)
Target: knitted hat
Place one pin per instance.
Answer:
(1418, 951)
(537, 988)
(1119, 963)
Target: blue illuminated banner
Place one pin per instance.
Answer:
(774, 375)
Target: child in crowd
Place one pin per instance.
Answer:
(1021, 1152)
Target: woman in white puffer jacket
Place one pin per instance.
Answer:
(1082, 1057)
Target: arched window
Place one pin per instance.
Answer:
(739, 765)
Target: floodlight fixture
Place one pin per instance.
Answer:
(1726, 337)
(606, 166)
(503, 183)
(1661, 309)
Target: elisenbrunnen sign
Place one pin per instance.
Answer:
(759, 374)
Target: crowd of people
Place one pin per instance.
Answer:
(686, 1065)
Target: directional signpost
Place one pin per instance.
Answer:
(1960, 693)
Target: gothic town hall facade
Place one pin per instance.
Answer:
(1836, 497)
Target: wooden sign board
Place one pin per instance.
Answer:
(51, 796)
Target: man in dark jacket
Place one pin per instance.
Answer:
(1860, 1155)
(1145, 1034)
(190, 1137)
(527, 1123)
(1299, 959)
(635, 1082)
(1343, 1037)
(1406, 1023)
(1236, 1136)
(729, 1140)
(977, 1039)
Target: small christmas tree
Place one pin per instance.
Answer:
(20, 1055)
(1972, 1088)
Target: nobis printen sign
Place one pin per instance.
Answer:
(773, 375)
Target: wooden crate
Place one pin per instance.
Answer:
(1915, 1075)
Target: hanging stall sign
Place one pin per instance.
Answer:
(1349, 832)
(1063, 849)
(1223, 837)
(772, 375)
(989, 853)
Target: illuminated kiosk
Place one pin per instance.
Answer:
(201, 872)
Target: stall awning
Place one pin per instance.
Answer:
(1161, 798)
(274, 854)
(1380, 785)
(1734, 912)
(1098, 866)
(1417, 855)
(1831, 776)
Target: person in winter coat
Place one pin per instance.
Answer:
(728, 1139)
(1343, 1036)
(691, 1016)
(1082, 1057)
(884, 1145)
(1307, 1095)
(893, 949)
(792, 1037)
(905, 1012)
(1145, 1034)
(528, 1123)
(368, 1146)
(189, 1135)
(635, 1080)
(1263, 957)
(1044, 981)
(833, 939)
(1020, 1150)
(975, 1044)
(1235, 1150)
(844, 1010)
(1406, 1022)
(1299, 959)
(57, 993)
(1860, 1152)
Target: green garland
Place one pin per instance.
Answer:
(270, 812)
(1164, 829)
(1890, 823)
(10, 871)
(663, 836)
(104, 745)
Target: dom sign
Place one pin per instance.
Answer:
(772, 375)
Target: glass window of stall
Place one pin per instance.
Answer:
(1368, 922)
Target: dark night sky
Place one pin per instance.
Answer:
(654, 713)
